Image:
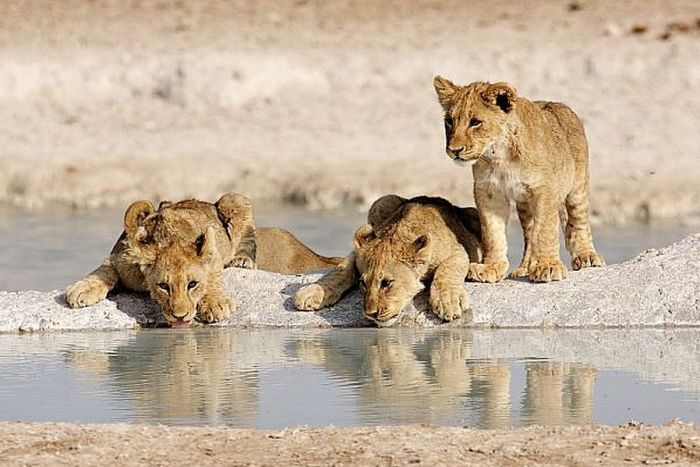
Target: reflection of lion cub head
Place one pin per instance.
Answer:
(180, 274)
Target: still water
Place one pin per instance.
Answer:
(48, 250)
(278, 378)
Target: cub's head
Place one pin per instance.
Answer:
(392, 277)
(176, 271)
(476, 118)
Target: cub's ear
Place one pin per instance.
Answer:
(383, 208)
(134, 216)
(164, 204)
(445, 90)
(421, 248)
(363, 235)
(205, 244)
(502, 95)
(234, 206)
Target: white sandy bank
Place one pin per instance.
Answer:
(657, 288)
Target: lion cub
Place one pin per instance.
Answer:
(533, 153)
(405, 243)
(178, 252)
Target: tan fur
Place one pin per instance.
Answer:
(282, 252)
(406, 243)
(178, 252)
(532, 153)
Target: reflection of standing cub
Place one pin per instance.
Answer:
(178, 252)
(534, 153)
(405, 242)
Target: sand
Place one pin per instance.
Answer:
(328, 104)
(65, 444)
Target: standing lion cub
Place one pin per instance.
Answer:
(533, 153)
(178, 252)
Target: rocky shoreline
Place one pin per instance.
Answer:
(657, 288)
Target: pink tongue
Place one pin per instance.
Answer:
(180, 324)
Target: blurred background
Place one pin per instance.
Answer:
(329, 104)
(326, 103)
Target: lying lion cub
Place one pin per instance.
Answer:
(405, 243)
(534, 153)
(178, 252)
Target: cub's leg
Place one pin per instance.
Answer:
(581, 383)
(493, 209)
(383, 208)
(495, 376)
(94, 287)
(216, 304)
(328, 290)
(525, 216)
(236, 214)
(577, 230)
(244, 256)
(448, 299)
(545, 265)
(543, 397)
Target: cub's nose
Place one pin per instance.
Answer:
(456, 150)
(372, 314)
(180, 316)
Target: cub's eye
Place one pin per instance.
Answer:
(449, 123)
(192, 285)
(474, 122)
(385, 283)
(363, 284)
(164, 286)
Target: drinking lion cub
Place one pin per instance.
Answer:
(178, 252)
(534, 153)
(405, 243)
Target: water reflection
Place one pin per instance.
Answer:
(399, 377)
(414, 377)
(389, 376)
(557, 393)
(269, 379)
(205, 376)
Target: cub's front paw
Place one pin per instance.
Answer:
(244, 262)
(587, 259)
(309, 298)
(212, 309)
(449, 302)
(85, 293)
(491, 272)
(546, 270)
